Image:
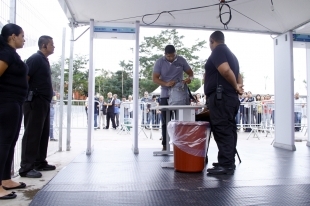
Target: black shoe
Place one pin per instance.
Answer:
(12, 195)
(216, 164)
(164, 148)
(31, 174)
(220, 171)
(20, 186)
(55, 140)
(46, 167)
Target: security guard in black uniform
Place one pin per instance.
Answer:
(37, 112)
(222, 89)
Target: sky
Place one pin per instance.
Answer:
(254, 51)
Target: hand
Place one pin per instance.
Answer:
(187, 80)
(240, 89)
(170, 83)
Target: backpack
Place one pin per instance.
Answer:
(179, 94)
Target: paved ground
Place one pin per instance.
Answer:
(111, 139)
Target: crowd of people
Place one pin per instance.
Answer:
(259, 111)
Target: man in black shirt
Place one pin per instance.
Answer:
(222, 89)
(110, 103)
(37, 112)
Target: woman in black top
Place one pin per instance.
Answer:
(13, 92)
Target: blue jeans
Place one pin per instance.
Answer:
(52, 114)
(95, 120)
(238, 117)
(297, 120)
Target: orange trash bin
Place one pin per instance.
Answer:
(189, 144)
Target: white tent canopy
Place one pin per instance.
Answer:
(247, 15)
(156, 91)
(283, 18)
(200, 90)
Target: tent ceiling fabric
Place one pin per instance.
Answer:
(287, 14)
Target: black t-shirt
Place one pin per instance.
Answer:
(13, 82)
(220, 55)
(40, 76)
(111, 107)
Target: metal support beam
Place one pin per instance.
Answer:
(136, 92)
(91, 91)
(62, 82)
(69, 105)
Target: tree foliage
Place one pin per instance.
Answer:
(121, 81)
(152, 48)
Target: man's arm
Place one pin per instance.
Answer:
(3, 67)
(157, 80)
(190, 74)
(228, 74)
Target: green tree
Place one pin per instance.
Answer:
(80, 74)
(152, 48)
(119, 82)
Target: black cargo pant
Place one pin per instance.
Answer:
(10, 121)
(110, 115)
(36, 135)
(223, 125)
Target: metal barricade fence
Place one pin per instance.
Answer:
(147, 119)
(259, 116)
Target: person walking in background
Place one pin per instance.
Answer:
(13, 92)
(96, 111)
(259, 109)
(110, 111)
(116, 109)
(37, 112)
(125, 107)
(52, 115)
(267, 104)
(145, 107)
(102, 113)
(249, 111)
(298, 105)
(130, 109)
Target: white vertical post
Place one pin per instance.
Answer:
(69, 105)
(308, 90)
(62, 82)
(284, 92)
(136, 92)
(91, 90)
(13, 11)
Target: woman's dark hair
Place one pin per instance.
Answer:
(258, 96)
(7, 31)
